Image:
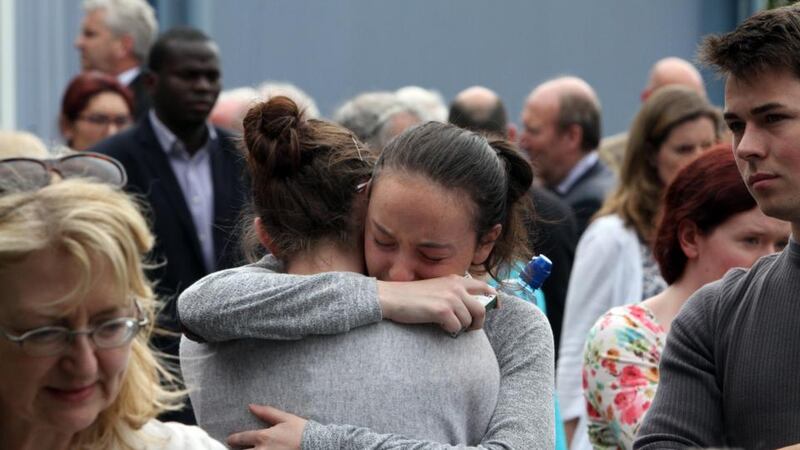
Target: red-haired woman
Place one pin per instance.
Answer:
(709, 224)
(95, 106)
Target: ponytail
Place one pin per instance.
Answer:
(513, 243)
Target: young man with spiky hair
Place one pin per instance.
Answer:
(729, 372)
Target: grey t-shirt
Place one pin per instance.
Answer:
(402, 386)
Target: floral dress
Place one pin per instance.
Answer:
(620, 374)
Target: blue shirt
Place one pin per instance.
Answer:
(194, 177)
(583, 166)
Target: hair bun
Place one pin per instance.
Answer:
(520, 174)
(272, 132)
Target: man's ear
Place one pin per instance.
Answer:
(486, 245)
(263, 236)
(124, 46)
(511, 133)
(574, 135)
(687, 238)
(645, 94)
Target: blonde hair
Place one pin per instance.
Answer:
(94, 222)
(21, 144)
(638, 194)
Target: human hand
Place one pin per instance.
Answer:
(446, 301)
(286, 432)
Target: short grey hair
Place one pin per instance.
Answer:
(369, 114)
(428, 103)
(361, 114)
(386, 125)
(132, 17)
(305, 102)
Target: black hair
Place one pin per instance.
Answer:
(160, 50)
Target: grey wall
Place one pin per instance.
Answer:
(335, 49)
(46, 60)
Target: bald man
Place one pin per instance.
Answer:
(561, 120)
(554, 231)
(480, 109)
(665, 72)
(670, 71)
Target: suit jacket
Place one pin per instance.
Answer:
(554, 233)
(589, 192)
(141, 96)
(177, 244)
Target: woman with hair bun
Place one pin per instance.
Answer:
(395, 385)
(710, 224)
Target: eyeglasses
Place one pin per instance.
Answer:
(104, 120)
(53, 341)
(25, 174)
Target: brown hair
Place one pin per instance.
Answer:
(304, 175)
(492, 173)
(768, 40)
(638, 194)
(576, 108)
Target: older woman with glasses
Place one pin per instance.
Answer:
(76, 314)
(95, 106)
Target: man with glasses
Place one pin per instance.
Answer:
(189, 171)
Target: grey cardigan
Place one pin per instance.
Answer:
(455, 401)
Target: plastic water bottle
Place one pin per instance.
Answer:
(529, 279)
(536, 272)
(526, 285)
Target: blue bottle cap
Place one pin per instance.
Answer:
(537, 271)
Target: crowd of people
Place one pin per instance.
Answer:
(198, 268)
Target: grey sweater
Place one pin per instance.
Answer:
(398, 386)
(729, 371)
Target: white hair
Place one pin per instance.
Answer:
(129, 17)
(244, 93)
(269, 89)
(21, 144)
(369, 116)
(428, 103)
(231, 107)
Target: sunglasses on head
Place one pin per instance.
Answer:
(25, 174)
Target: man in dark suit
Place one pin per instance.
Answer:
(553, 231)
(561, 120)
(189, 172)
(115, 37)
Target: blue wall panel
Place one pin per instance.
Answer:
(335, 49)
